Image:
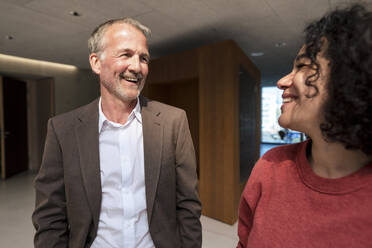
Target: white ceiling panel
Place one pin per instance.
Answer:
(44, 29)
(164, 29)
(17, 2)
(88, 9)
(187, 14)
(342, 3)
(245, 10)
(296, 13)
(118, 8)
(21, 19)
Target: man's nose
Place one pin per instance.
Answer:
(135, 65)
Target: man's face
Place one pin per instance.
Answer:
(122, 64)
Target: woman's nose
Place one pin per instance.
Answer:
(285, 81)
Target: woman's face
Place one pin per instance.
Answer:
(299, 111)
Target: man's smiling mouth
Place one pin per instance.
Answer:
(132, 79)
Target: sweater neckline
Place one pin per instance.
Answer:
(343, 185)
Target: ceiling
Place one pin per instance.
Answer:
(45, 29)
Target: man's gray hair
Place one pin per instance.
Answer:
(95, 41)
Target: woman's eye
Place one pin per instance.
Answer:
(299, 66)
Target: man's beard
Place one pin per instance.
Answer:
(121, 92)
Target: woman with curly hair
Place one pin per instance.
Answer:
(318, 193)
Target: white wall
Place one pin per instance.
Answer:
(73, 87)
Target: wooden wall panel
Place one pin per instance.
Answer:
(244, 61)
(173, 68)
(158, 92)
(185, 95)
(182, 94)
(219, 178)
(205, 82)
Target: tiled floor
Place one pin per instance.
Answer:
(17, 203)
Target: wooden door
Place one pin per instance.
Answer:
(13, 124)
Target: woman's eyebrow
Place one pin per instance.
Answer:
(300, 56)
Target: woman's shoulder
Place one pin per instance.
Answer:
(277, 162)
(284, 152)
(280, 157)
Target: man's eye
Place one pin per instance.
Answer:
(145, 60)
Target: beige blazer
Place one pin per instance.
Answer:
(68, 185)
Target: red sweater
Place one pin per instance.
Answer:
(285, 204)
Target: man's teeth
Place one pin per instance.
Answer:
(131, 79)
(287, 99)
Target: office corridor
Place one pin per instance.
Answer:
(17, 203)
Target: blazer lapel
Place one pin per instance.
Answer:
(152, 145)
(88, 144)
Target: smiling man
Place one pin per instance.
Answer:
(120, 171)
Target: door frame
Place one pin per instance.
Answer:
(26, 79)
(2, 131)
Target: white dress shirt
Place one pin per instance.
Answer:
(123, 217)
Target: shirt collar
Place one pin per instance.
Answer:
(102, 118)
(137, 111)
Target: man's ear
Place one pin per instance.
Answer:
(95, 63)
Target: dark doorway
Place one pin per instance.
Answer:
(14, 153)
(247, 124)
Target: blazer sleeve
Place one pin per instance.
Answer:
(188, 203)
(49, 217)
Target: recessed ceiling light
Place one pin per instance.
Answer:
(74, 13)
(9, 37)
(257, 54)
(280, 44)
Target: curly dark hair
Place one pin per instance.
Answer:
(345, 35)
